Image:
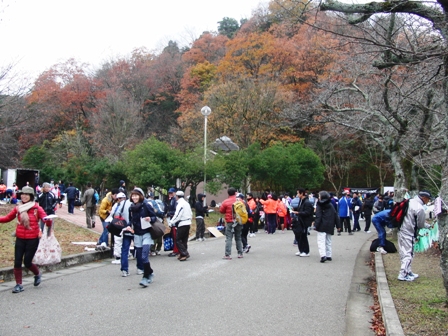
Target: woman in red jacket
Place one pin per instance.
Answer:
(28, 233)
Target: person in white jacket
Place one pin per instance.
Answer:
(413, 221)
(182, 220)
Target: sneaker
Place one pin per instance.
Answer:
(303, 254)
(151, 278)
(339, 233)
(240, 256)
(153, 254)
(350, 233)
(37, 279)
(198, 239)
(18, 288)
(226, 257)
(298, 253)
(413, 275)
(157, 252)
(124, 273)
(248, 248)
(183, 258)
(144, 282)
(323, 259)
(405, 278)
(367, 231)
(172, 254)
(139, 271)
(381, 250)
(244, 249)
(116, 262)
(329, 259)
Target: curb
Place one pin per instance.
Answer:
(7, 274)
(390, 317)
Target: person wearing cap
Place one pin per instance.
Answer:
(122, 188)
(139, 213)
(171, 209)
(121, 250)
(105, 208)
(201, 210)
(415, 219)
(88, 199)
(326, 219)
(344, 211)
(182, 220)
(27, 234)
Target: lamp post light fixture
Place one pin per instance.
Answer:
(205, 112)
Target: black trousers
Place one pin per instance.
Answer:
(244, 233)
(182, 239)
(25, 249)
(302, 241)
(368, 218)
(346, 223)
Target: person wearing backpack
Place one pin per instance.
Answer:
(414, 220)
(231, 229)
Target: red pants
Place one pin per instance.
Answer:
(174, 234)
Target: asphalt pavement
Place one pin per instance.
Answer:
(271, 291)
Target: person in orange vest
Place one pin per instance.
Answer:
(281, 212)
(270, 210)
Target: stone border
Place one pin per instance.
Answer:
(7, 274)
(390, 317)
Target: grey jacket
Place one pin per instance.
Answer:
(415, 217)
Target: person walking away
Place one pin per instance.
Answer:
(380, 221)
(71, 192)
(104, 211)
(356, 205)
(413, 221)
(182, 220)
(46, 201)
(140, 217)
(171, 209)
(27, 234)
(226, 208)
(201, 211)
(121, 207)
(367, 209)
(281, 212)
(305, 214)
(88, 199)
(344, 211)
(326, 220)
(255, 214)
(270, 210)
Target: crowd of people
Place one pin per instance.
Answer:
(322, 211)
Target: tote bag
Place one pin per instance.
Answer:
(49, 251)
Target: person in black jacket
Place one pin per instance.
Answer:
(201, 211)
(326, 220)
(71, 193)
(47, 201)
(367, 208)
(303, 220)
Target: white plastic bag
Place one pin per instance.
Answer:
(49, 251)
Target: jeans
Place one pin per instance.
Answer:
(229, 235)
(356, 226)
(126, 244)
(71, 205)
(381, 232)
(105, 235)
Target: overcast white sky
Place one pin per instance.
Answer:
(41, 33)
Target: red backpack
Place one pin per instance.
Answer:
(398, 212)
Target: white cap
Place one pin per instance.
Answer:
(180, 193)
(121, 195)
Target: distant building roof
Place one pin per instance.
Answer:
(225, 144)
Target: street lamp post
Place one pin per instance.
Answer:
(205, 112)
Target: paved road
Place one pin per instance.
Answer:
(269, 292)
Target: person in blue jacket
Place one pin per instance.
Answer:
(380, 221)
(345, 205)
